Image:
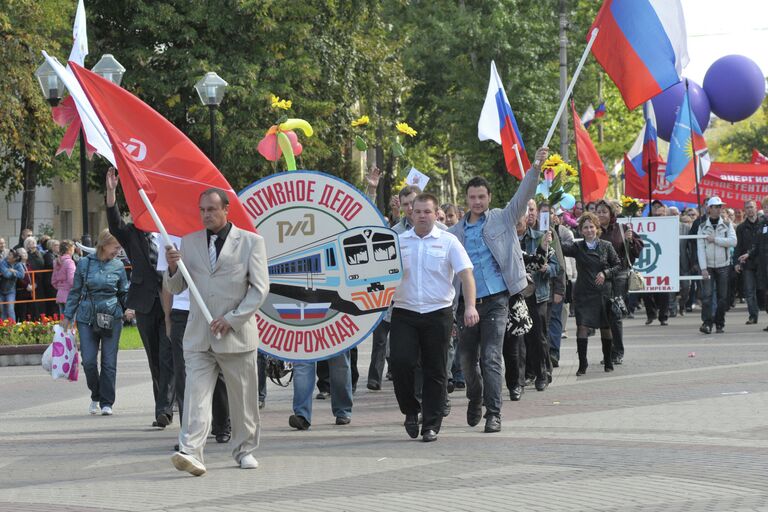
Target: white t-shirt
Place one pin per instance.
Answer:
(429, 265)
(180, 301)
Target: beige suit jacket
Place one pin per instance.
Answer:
(234, 289)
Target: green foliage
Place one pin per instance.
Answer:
(734, 142)
(28, 134)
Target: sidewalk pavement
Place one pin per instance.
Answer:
(681, 425)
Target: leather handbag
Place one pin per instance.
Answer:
(635, 281)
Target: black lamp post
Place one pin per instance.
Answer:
(211, 89)
(50, 83)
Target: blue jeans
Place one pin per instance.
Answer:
(711, 312)
(481, 346)
(555, 329)
(7, 310)
(750, 291)
(341, 387)
(101, 383)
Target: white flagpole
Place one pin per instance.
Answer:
(519, 160)
(158, 223)
(567, 95)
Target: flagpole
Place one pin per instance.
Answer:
(519, 160)
(693, 149)
(569, 91)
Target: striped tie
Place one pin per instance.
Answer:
(212, 251)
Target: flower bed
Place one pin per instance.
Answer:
(29, 332)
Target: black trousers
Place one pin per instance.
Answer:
(536, 355)
(421, 337)
(657, 305)
(378, 353)
(159, 356)
(220, 405)
(620, 289)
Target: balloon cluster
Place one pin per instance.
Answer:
(734, 88)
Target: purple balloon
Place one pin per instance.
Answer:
(667, 103)
(735, 87)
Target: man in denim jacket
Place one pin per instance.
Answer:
(490, 238)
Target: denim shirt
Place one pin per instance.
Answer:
(10, 273)
(103, 290)
(488, 278)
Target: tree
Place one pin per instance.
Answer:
(28, 135)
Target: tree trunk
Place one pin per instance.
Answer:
(28, 195)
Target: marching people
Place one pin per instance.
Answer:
(490, 238)
(97, 303)
(229, 267)
(627, 247)
(714, 261)
(144, 298)
(422, 316)
(597, 263)
(746, 235)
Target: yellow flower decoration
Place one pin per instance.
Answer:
(405, 129)
(281, 104)
(361, 121)
(557, 164)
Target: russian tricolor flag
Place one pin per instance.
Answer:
(650, 152)
(687, 140)
(642, 46)
(497, 123)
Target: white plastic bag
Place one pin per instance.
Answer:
(65, 361)
(47, 355)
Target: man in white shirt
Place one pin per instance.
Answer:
(422, 317)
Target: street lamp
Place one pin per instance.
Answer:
(109, 68)
(211, 89)
(50, 83)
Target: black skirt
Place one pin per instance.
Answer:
(592, 310)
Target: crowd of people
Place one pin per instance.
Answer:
(484, 303)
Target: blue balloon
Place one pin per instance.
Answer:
(567, 201)
(735, 87)
(667, 103)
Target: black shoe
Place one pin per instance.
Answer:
(555, 363)
(373, 386)
(706, 329)
(516, 393)
(298, 422)
(341, 420)
(618, 360)
(447, 408)
(752, 320)
(582, 370)
(163, 420)
(530, 382)
(720, 329)
(474, 414)
(323, 395)
(450, 386)
(411, 425)
(462, 385)
(261, 404)
(608, 368)
(176, 447)
(663, 322)
(223, 437)
(492, 424)
(429, 436)
(157, 425)
(650, 320)
(541, 385)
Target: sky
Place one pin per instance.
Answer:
(723, 27)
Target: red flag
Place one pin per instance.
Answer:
(759, 158)
(154, 155)
(594, 179)
(66, 116)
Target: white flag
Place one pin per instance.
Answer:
(80, 44)
(417, 178)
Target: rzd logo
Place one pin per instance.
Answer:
(649, 257)
(306, 226)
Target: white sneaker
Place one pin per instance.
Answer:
(94, 408)
(249, 462)
(188, 463)
(106, 411)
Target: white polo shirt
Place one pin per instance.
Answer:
(429, 265)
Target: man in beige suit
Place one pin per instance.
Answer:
(229, 267)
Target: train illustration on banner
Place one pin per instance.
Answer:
(349, 271)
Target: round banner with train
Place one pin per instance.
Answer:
(333, 264)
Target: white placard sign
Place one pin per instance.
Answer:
(659, 261)
(417, 178)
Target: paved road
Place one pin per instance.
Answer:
(664, 432)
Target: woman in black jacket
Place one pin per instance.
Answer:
(597, 263)
(627, 247)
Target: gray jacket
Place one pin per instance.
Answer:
(500, 235)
